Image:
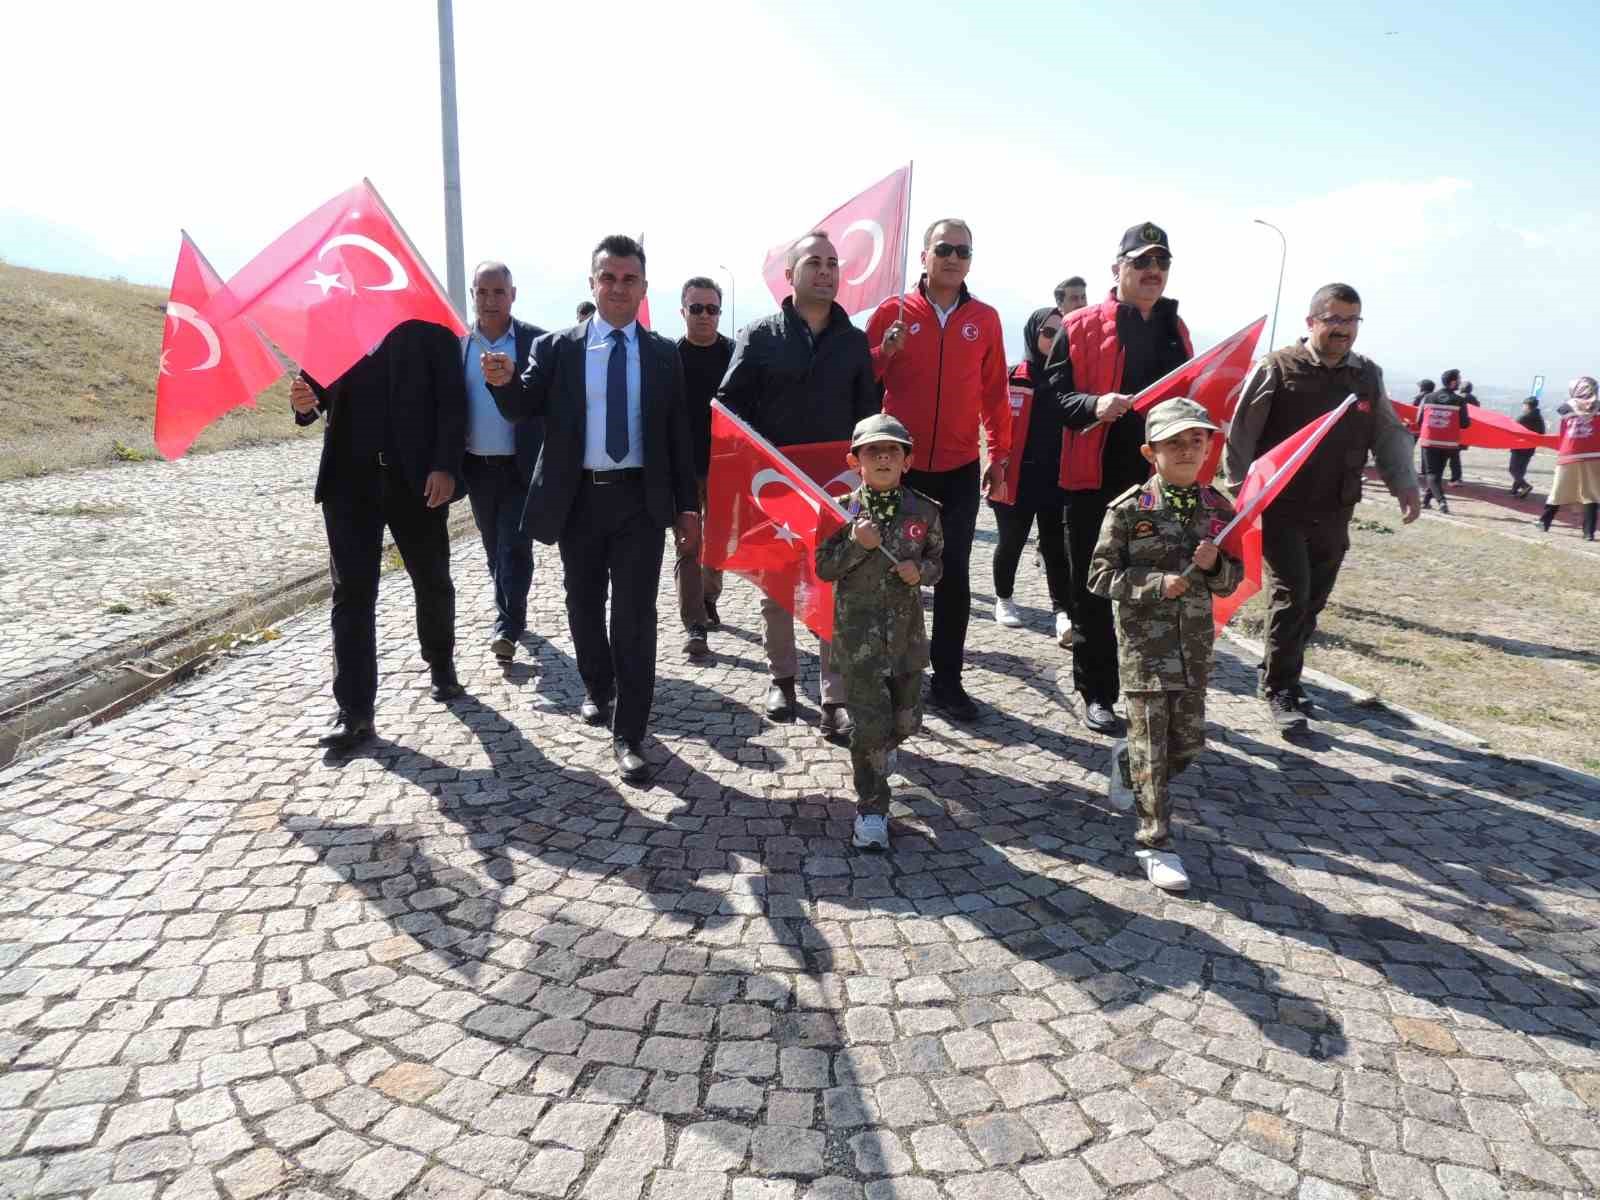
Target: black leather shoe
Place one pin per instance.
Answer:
(445, 684)
(696, 645)
(346, 732)
(780, 700)
(1100, 718)
(713, 621)
(950, 698)
(630, 761)
(1286, 715)
(835, 723)
(595, 712)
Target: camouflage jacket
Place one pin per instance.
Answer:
(877, 616)
(1162, 645)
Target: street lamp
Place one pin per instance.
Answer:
(733, 299)
(1283, 257)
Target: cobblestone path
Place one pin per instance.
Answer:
(466, 963)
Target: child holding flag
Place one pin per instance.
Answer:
(878, 563)
(1158, 565)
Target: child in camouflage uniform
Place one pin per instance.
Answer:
(878, 564)
(1157, 563)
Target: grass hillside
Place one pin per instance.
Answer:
(78, 376)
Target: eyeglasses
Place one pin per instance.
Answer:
(710, 310)
(1336, 322)
(1050, 331)
(1160, 262)
(945, 250)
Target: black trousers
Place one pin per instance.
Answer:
(1094, 635)
(1434, 461)
(367, 498)
(1039, 501)
(1302, 558)
(498, 497)
(957, 494)
(611, 545)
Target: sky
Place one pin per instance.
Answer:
(1442, 158)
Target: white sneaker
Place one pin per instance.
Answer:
(1164, 869)
(1064, 630)
(1005, 613)
(872, 832)
(1119, 779)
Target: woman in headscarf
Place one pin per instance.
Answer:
(1033, 493)
(1578, 459)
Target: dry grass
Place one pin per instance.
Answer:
(1492, 633)
(78, 374)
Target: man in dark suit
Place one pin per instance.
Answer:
(500, 455)
(391, 457)
(617, 469)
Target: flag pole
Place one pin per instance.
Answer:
(905, 257)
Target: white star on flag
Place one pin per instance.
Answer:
(782, 531)
(326, 282)
(162, 369)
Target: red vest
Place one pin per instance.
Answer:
(1580, 438)
(1441, 426)
(1097, 362)
(1020, 390)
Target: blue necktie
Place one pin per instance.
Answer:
(617, 398)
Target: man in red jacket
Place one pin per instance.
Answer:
(941, 357)
(1104, 355)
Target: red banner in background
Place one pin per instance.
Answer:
(206, 370)
(1488, 430)
(870, 233)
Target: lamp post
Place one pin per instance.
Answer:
(454, 252)
(733, 299)
(1283, 258)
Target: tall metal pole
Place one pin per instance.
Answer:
(455, 255)
(1283, 258)
(733, 299)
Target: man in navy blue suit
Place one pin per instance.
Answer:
(501, 454)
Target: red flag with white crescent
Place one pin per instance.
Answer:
(205, 370)
(1212, 380)
(765, 517)
(332, 287)
(870, 232)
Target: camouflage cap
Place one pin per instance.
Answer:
(880, 427)
(1172, 417)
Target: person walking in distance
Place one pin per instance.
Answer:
(1440, 419)
(1577, 478)
(705, 354)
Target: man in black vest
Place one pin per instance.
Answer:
(391, 456)
(616, 471)
(1306, 530)
(500, 455)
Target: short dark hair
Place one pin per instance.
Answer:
(1075, 282)
(586, 309)
(490, 267)
(1341, 292)
(618, 245)
(1451, 376)
(927, 234)
(1425, 386)
(699, 281)
(792, 254)
(1466, 386)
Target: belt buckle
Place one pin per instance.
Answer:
(382, 461)
(602, 478)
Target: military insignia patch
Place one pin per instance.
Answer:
(1144, 529)
(1150, 233)
(1146, 500)
(916, 530)
(1217, 526)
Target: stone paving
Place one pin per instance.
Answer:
(93, 559)
(467, 963)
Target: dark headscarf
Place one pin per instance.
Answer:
(1030, 340)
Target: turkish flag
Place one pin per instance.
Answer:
(1488, 430)
(765, 518)
(332, 287)
(870, 233)
(205, 370)
(644, 313)
(1212, 380)
(1267, 477)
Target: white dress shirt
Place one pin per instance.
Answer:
(598, 346)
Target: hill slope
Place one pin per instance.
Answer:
(78, 376)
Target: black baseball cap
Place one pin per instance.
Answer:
(1143, 238)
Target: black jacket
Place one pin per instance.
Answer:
(794, 388)
(703, 369)
(552, 386)
(407, 400)
(529, 434)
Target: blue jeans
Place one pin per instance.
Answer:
(498, 496)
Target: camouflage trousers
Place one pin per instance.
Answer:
(885, 711)
(1166, 731)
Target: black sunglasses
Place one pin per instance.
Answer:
(710, 310)
(1160, 262)
(945, 250)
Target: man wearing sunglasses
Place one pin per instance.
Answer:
(802, 375)
(1103, 356)
(941, 355)
(1306, 530)
(705, 354)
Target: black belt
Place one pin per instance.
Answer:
(625, 475)
(492, 458)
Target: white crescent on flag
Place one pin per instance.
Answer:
(865, 225)
(398, 280)
(768, 475)
(178, 313)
